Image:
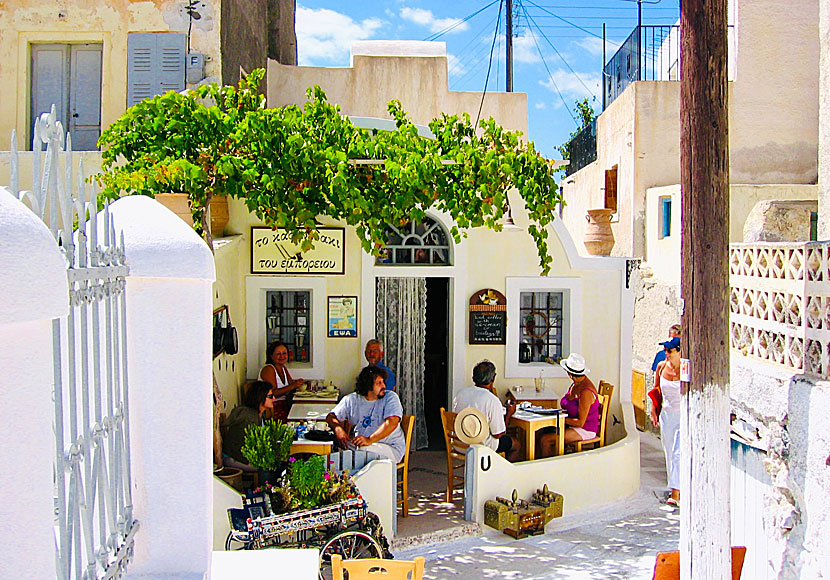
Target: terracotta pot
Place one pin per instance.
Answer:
(599, 239)
(230, 475)
(177, 203)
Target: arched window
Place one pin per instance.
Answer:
(424, 243)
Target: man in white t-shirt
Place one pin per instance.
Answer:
(482, 397)
(374, 413)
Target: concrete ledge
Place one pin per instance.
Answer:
(158, 243)
(298, 564)
(32, 269)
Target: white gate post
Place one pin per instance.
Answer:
(169, 367)
(34, 288)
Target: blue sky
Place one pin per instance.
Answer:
(557, 45)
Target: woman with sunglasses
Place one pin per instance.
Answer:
(582, 404)
(258, 400)
(667, 381)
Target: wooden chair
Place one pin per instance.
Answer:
(408, 426)
(456, 450)
(370, 568)
(605, 391)
(667, 566)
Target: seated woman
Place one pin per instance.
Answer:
(276, 374)
(258, 400)
(582, 404)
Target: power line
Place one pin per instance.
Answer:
(532, 21)
(550, 75)
(563, 20)
(484, 92)
(458, 23)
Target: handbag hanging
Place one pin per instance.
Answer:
(656, 397)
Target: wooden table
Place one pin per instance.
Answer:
(530, 423)
(304, 445)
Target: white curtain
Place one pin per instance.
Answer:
(401, 327)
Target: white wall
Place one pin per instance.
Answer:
(34, 287)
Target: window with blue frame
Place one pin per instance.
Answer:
(665, 217)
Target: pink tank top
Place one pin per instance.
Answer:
(572, 407)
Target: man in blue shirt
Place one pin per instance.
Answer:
(661, 356)
(374, 355)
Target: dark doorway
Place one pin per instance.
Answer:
(436, 356)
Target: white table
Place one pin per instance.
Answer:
(309, 411)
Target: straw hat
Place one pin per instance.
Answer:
(575, 364)
(471, 426)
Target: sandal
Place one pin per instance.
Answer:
(672, 502)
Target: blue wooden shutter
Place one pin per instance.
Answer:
(155, 64)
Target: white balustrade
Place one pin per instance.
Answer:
(780, 303)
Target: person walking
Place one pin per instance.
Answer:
(667, 382)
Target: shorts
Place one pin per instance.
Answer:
(505, 444)
(583, 433)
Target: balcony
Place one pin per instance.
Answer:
(582, 148)
(650, 53)
(780, 304)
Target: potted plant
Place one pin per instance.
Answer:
(267, 447)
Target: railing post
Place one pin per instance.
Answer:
(169, 366)
(33, 281)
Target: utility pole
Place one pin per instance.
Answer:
(704, 174)
(509, 44)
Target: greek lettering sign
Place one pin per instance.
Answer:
(272, 252)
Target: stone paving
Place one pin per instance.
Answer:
(617, 541)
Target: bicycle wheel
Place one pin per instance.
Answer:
(233, 543)
(351, 545)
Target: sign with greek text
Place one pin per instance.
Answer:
(685, 370)
(272, 252)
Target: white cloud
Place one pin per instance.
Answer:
(591, 45)
(428, 19)
(541, 105)
(571, 87)
(324, 35)
(525, 49)
(455, 66)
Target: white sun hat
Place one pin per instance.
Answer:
(575, 364)
(471, 426)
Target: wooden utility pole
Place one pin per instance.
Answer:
(508, 69)
(704, 175)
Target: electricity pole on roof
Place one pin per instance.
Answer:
(704, 183)
(509, 44)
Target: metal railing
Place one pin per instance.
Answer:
(650, 53)
(582, 148)
(94, 526)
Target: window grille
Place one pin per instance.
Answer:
(423, 243)
(540, 327)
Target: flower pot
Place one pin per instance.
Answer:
(177, 203)
(230, 475)
(599, 239)
(268, 475)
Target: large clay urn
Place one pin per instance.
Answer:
(177, 203)
(599, 239)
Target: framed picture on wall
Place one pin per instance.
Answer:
(342, 317)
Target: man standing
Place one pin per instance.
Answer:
(674, 330)
(481, 397)
(375, 414)
(374, 355)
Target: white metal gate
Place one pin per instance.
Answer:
(93, 505)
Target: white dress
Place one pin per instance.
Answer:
(670, 429)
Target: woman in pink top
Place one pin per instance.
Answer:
(582, 404)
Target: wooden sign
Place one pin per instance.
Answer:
(488, 317)
(272, 252)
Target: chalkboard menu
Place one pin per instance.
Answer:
(488, 317)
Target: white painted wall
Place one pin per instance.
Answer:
(824, 123)
(169, 354)
(34, 287)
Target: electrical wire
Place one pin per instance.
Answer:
(586, 31)
(458, 23)
(550, 76)
(487, 80)
(532, 21)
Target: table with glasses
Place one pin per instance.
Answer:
(530, 423)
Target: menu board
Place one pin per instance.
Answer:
(488, 317)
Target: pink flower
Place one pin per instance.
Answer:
(292, 459)
(327, 476)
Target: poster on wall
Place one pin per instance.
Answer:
(342, 316)
(488, 317)
(272, 252)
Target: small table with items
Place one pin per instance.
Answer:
(544, 397)
(530, 422)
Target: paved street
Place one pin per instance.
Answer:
(618, 541)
